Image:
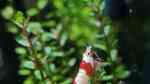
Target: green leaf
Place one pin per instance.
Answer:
(46, 36)
(29, 80)
(48, 51)
(21, 51)
(57, 77)
(27, 64)
(41, 3)
(19, 18)
(22, 40)
(7, 12)
(107, 77)
(121, 73)
(107, 30)
(12, 28)
(100, 46)
(67, 81)
(109, 83)
(72, 62)
(86, 12)
(34, 27)
(32, 12)
(90, 81)
(63, 39)
(102, 6)
(114, 54)
(24, 72)
(58, 4)
(52, 67)
(50, 23)
(36, 44)
(57, 54)
(37, 74)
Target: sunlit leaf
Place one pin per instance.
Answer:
(37, 74)
(100, 46)
(63, 39)
(58, 3)
(28, 64)
(72, 62)
(107, 29)
(57, 54)
(114, 54)
(41, 3)
(86, 12)
(7, 12)
(48, 50)
(22, 41)
(18, 18)
(52, 67)
(34, 27)
(24, 72)
(29, 80)
(32, 11)
(21, 51)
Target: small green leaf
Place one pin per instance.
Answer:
(57, 54)
(41, 3)
(114, 54)
(32, 12)
(21, 50)
(22, 40)
(38, 74)
(49, 24)
(67, 81)
(36, 44)
(29, 80)
(57, 77)
(28, 64)
(100, 46)
(107, 30)
(34, 27)
(48, 51)
(7, 12)
(24, 72)
(86, 12)
(72, 62)
(121, 73)
(46, 36)
(19, 18)
(58, 3)
(12, 28)
(52, 67)
(63, 39)
(103, 73)
(107, 77)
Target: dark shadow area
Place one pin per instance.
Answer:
(9, 62)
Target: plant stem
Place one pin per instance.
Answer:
(30, 48)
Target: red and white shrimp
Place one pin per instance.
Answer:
(88, 65)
